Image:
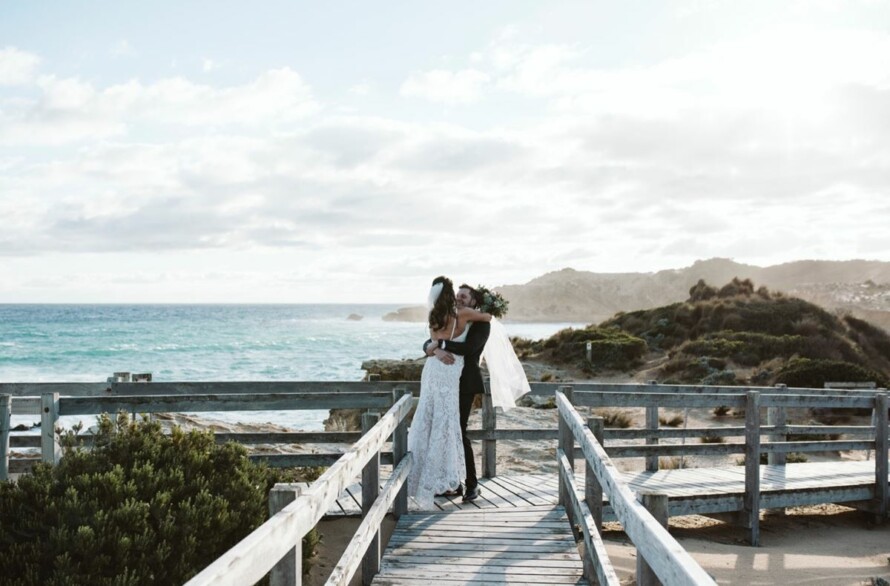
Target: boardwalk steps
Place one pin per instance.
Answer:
(521, 545)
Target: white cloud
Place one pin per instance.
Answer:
(70, 109)
(17, 67)
(609, 168)
(451, 87)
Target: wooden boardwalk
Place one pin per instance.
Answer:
(690, 490)
(520, 545)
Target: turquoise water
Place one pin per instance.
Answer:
(87, 343)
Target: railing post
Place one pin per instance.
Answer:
(652, 424)
(751, 512)
(370, 490)
(567, 445)
(882, 444)
(657, 505)
(50, 449)
(5, 425)
(289, 570)
(489, 446)
(775, 416)
(399, 449)
(593, 490)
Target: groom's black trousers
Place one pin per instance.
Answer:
(466, 404)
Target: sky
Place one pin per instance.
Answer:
(350, 151)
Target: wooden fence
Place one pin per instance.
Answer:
(52, 400)
(275, 545)
(660, 559)
(294, 514)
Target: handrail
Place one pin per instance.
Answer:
(670, 562)
(122, 389)
(594, 548)
(352, 556)
(253, 557)
(263, 387)
(94, 398)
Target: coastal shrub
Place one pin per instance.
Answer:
(813, 374)
(705, 370)
(615, 418)
(721, 410)
(711, 437)
(674, 421)
(744, 348)
(874, 342)
(720, 378)
(140, 507)
(610, 348)
(735, 307)
(672, 463)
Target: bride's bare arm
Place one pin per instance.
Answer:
(469, 314)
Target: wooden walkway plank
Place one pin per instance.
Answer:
(531, 494)
(690, 490)
(529, 544)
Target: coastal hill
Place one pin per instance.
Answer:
(858, 287)
(728, 335)
(736, 333)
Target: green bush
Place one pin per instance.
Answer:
(615, 418)
(610, 348)
(140, 507)
(673, 421)
(736, 307)
(809, 373)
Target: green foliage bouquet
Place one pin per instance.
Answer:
(492, 302)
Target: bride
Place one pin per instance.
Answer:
(434, 438)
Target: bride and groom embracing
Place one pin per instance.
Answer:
(463, 330)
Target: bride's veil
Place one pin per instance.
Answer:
(507, 378)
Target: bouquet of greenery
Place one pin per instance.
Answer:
(492, 302)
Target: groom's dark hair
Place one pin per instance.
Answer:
(476, 296)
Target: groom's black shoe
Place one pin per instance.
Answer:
(471, 494)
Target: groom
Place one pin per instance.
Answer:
(470, 379)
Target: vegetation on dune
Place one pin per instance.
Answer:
(731, 335)
(610, 348)
(140, 507)
(719, 334)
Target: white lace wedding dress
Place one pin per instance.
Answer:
(434, 438)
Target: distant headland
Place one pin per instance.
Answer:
(859, 287)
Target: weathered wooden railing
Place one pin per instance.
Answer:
(52, 400)
(776, 401)
(49, 401)
(275, 545)
(663, 558)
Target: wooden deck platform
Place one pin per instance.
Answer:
(690, 490)
(522, 545)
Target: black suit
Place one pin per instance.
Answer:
(471, 384)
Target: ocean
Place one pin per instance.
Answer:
(87, 343)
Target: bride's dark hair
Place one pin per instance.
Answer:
(444, 304)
